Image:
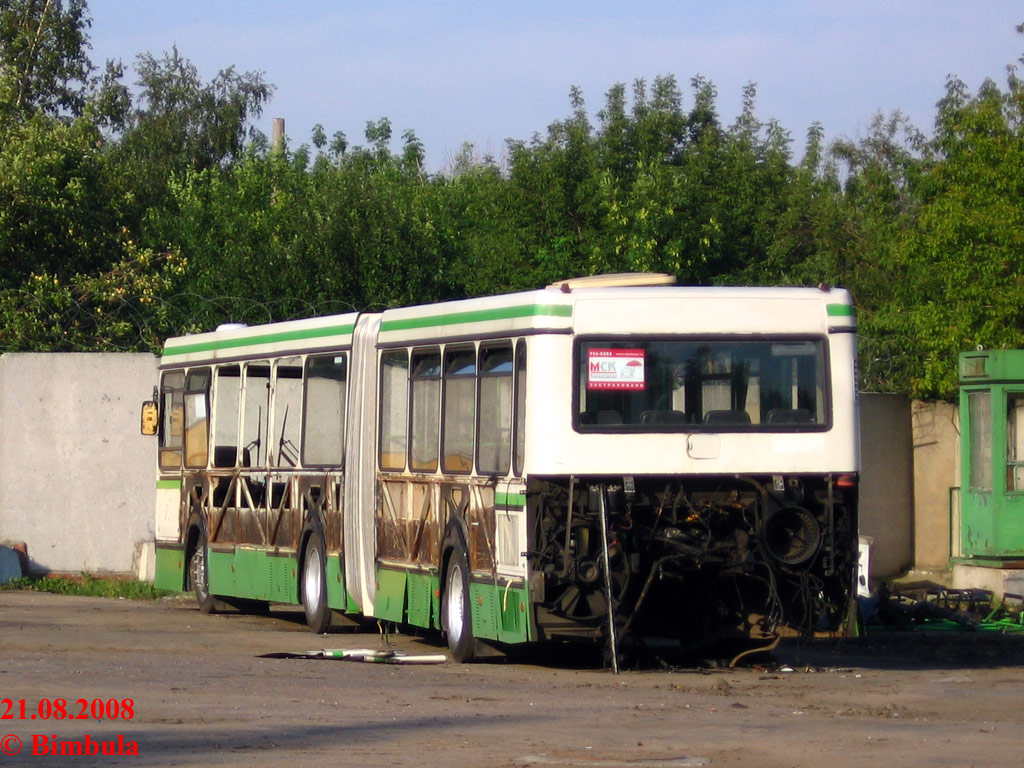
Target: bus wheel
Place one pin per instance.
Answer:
(314, 584)
(456, 616)
(199, 577)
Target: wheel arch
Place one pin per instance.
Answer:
(195, 530)
(456, 533)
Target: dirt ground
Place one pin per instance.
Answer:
(203, 695)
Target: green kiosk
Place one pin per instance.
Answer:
(991, 524)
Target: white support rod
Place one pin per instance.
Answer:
(606, 560)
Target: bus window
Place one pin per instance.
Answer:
(691, 384)
(495, 426)
(426, 403)
(520, 420)
(227, 394)
(324, 411)
(287, 405)
(255, 413)
(459, 408)
(394, 422)
(172, 414)
(197, 419)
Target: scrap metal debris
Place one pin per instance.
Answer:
(925, 604)
(383, 656)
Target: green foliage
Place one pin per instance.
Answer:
(957, 272)
(43, 61)
(275, 236)
(88, 586)
(122, 309)
(126, 217)
(175, 125)
(58, 211)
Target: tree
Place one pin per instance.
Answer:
(177, 123)
(43, 58)
(58, 210)
(275, 236)
(958, 277)
(121, 309)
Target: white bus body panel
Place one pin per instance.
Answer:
(360, 494)
(555, 448)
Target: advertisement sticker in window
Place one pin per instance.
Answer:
(616, 369)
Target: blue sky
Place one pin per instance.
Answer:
(458, 71)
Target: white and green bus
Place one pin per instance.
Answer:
(605, 458)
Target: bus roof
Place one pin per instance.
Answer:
(555, 309)
(234, 342)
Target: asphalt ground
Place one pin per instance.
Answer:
(189, 689)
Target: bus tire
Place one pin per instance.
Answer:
(199, 576)
(456, 615)
(313, 586)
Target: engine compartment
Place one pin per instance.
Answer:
(699, 560)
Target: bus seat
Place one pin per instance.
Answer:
(224, 455)
(392, 459)
(247, 457)
(664, 417)
(609, 417)
(423, 465)
(457, 462)
(727, 417)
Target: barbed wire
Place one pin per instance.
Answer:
(142, 324)
(139, 323)
(882, 370)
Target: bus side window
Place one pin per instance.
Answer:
(394, 408)
(172, 416)
(459, 409)
(226, 399)
(197, 417)
(520, 414)
(494, 433)
(254, 415)
(287, 405)
(426, 404)
(323, 415)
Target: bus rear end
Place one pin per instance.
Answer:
(692, 473)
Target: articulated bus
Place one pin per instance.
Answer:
(607, 458)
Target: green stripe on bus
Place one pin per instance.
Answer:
(514, 499)
(478, 316)
(268, 338)
(168, 485)
(839, 310)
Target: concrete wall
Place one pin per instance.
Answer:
(936, 470)
(76, 476)
(910, 457)
(886, 483)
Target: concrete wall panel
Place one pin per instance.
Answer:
(936, 470)
(77, 479)
(886, 483)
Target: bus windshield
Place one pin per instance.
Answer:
(683, 385)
